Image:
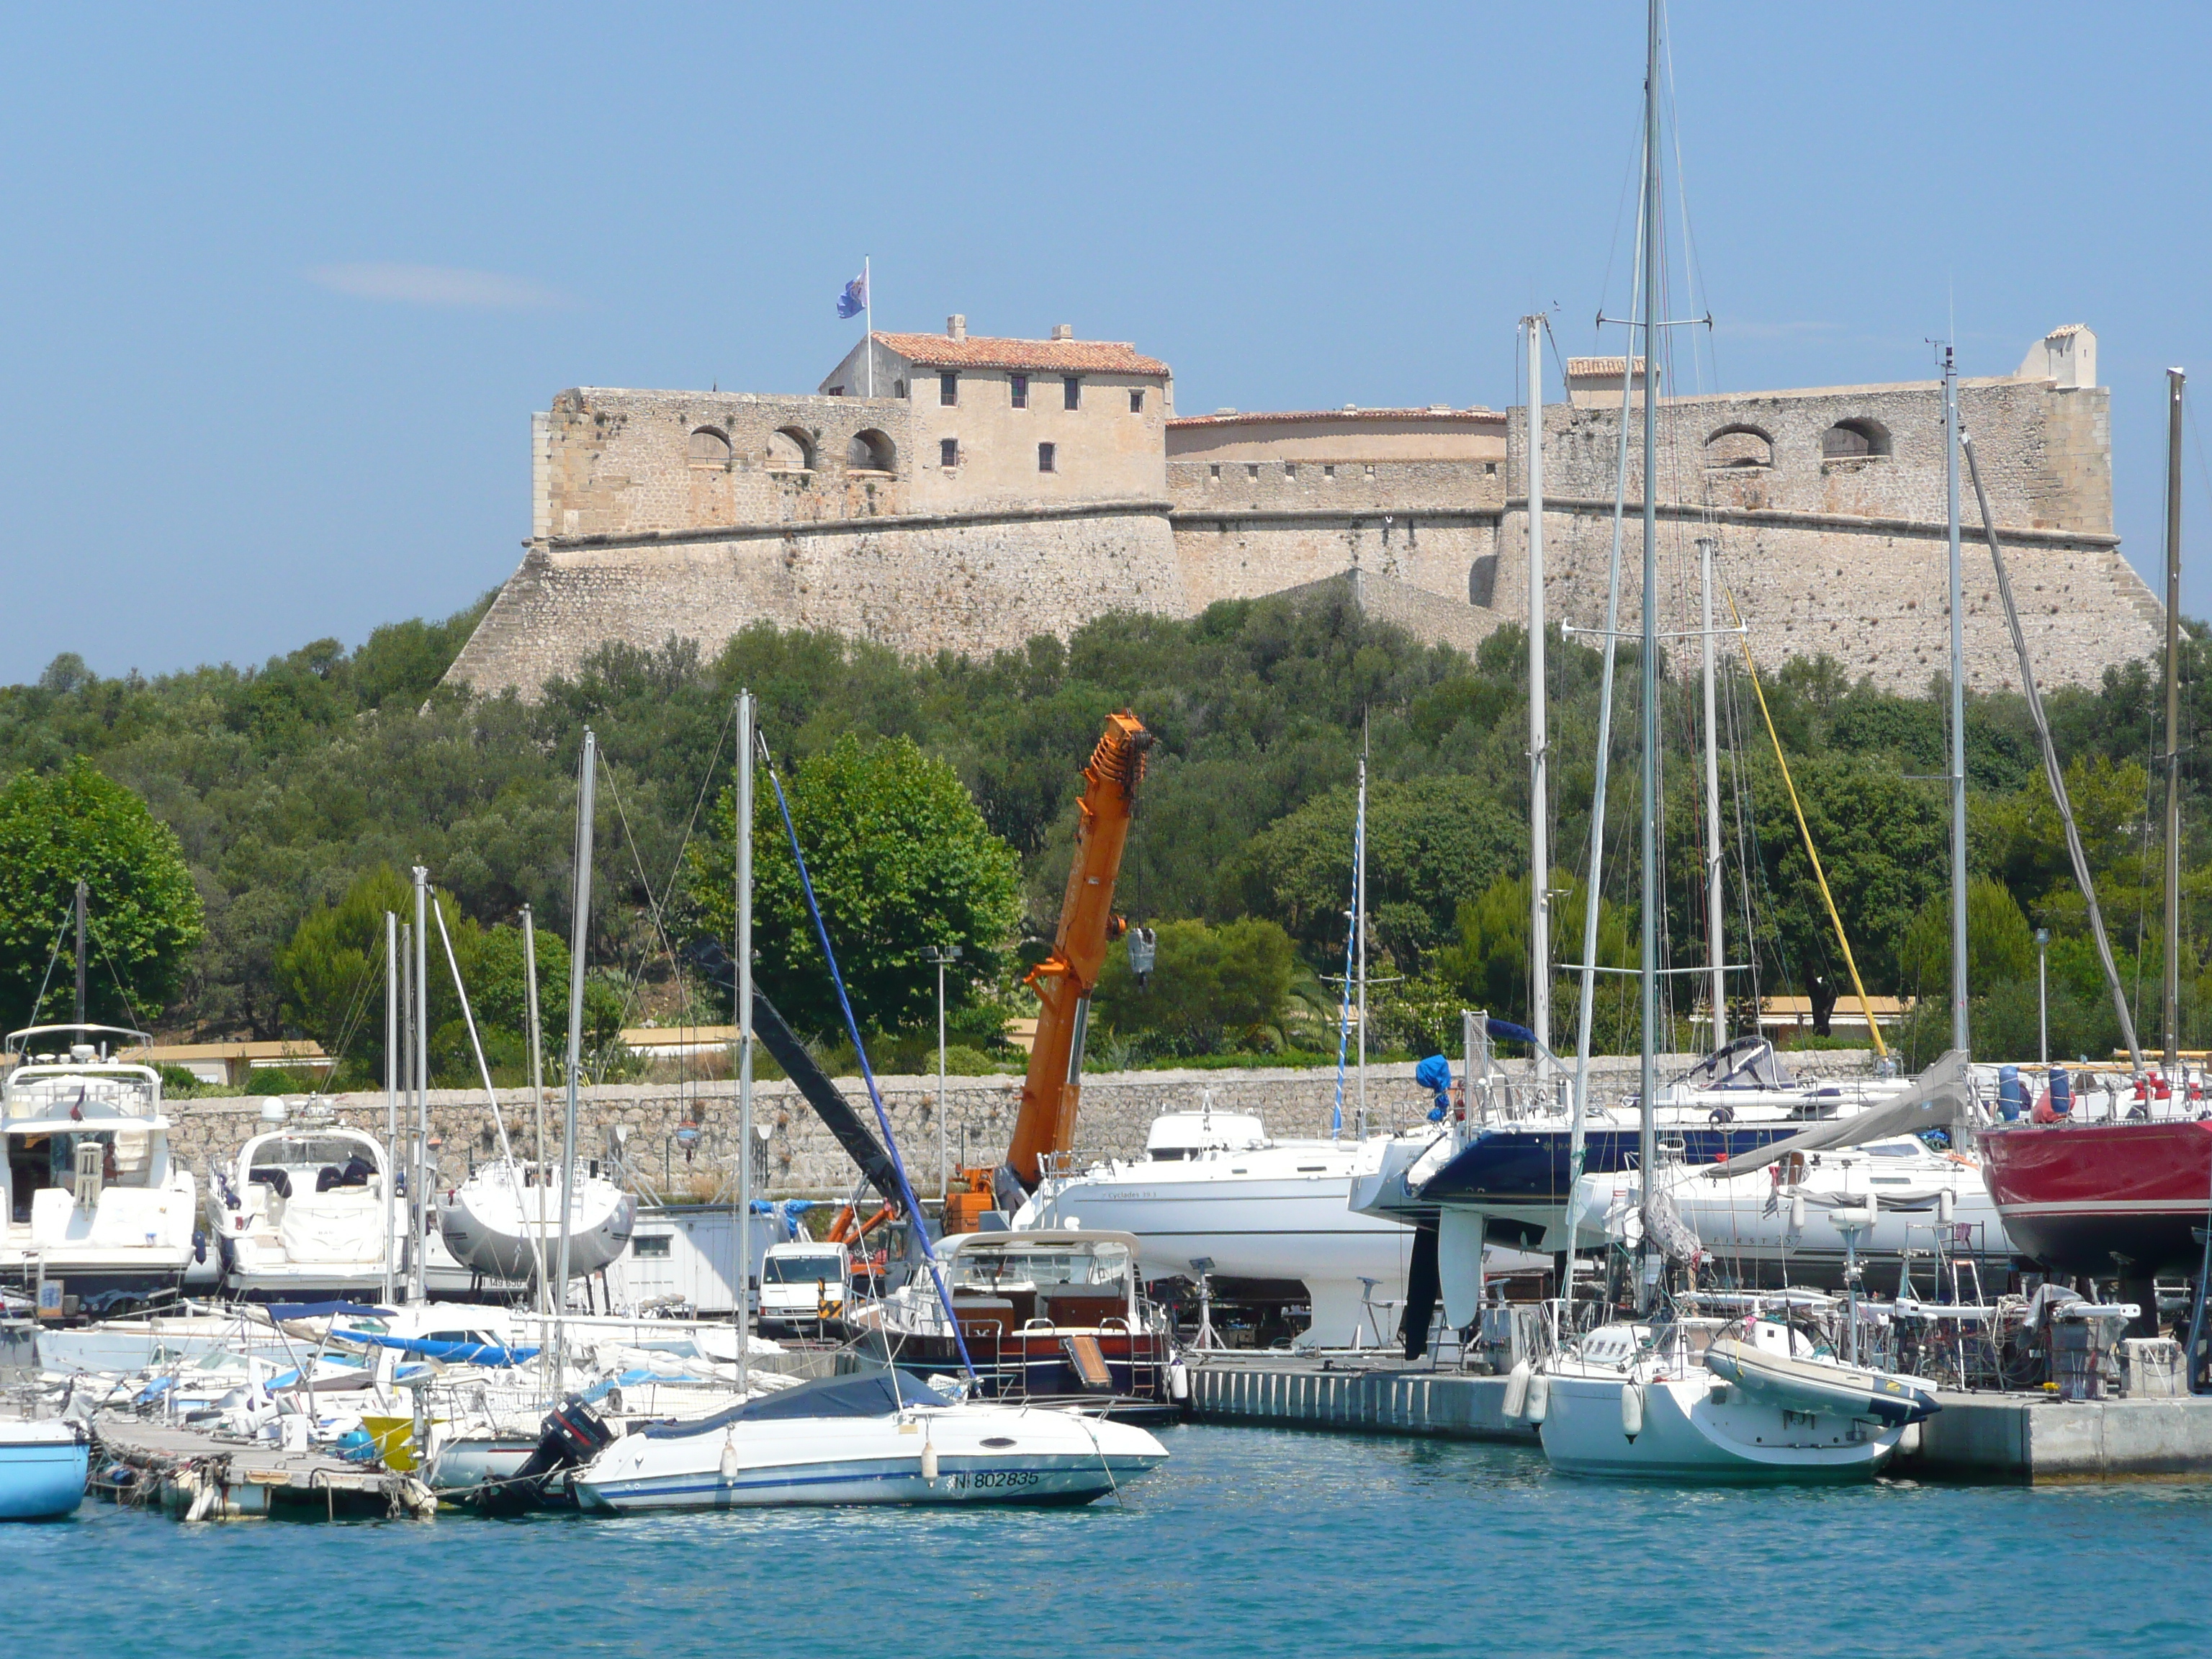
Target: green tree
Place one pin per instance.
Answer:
(2000, 945)
(901, 860)
(145, 915)
(1430, 842)
(1210, 987)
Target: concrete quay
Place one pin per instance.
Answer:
(2025, 1439)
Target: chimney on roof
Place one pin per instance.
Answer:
(1063, 330)
(956, 326)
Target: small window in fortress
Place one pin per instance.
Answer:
(1738, 446)
(870, 452)
(709, 448)
(1021, 385)
(1215, 470)
(1329, 472)
(948, 389)
(1048, 458)
(1070, 393)
(948, 452)
(898, 388)
(1136, 400)
(1252, 469)
(1289, 468)
(790, 450)
(1848, 440)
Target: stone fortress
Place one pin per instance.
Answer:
(951, 492)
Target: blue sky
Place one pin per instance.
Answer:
(284, 285)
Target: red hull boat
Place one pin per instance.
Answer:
(2074, 1196)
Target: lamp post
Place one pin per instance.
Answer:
(941, 956)
(2042, 995)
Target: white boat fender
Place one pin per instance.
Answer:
(729, 1467)
(929, 1459)
(1178, 1381)
(1631, 1409)
(1797, 1212)
(1908, 1443)
(1540, 1399)
(1943, 1204)
(1517, 1391)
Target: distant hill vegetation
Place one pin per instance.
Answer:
(286, 785)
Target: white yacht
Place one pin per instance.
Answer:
(100, 1218)
(305, 1213)
(1214, 1192)
(506, 1217)
(1758, 1399)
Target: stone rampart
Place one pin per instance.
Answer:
(798, 1157)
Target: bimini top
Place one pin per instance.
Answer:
(870, 1394)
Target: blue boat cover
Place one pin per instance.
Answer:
(870, 1394)
(463, 1354)
(323, 1310)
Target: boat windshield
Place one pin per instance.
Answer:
(311, 1151)
(822, 1265)
(127, 1092)
(1102, 1264)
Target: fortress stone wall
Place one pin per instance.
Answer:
(1009, 487)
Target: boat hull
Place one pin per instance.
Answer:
(490, 1236)
(1042, 1458)
(42, 1471)
(2075, 1196)
(1696, 1434)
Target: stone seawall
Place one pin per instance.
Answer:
(797, 1158)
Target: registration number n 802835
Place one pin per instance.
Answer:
(993, 1480)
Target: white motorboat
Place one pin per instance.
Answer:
(1214, 1188)
(506, 1219)
(877, 1437)
(304, 1214)
(1698, 1400)
(97, 1212)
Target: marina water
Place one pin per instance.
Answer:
(1249, 1541)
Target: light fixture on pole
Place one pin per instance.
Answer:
(2042, 995)
(941, 956)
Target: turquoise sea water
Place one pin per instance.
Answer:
(1249, 1542)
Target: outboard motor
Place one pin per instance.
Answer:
(571, 1436)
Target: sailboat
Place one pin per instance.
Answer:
(509, 1220)
(1670, 1394)
(2130, 1197)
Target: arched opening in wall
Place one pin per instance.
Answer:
(1482, 580)
(870, 451)
(1855, 440)
(1739, 447)
(790, 450)
(710, 448)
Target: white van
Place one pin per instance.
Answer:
(804, 1284)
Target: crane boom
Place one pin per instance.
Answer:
(1065, 980)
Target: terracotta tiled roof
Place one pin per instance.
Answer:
(1039, 356)
(1582, 367)
(1476, 416)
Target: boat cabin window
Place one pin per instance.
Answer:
(1896, 1149)
(1039, 1268)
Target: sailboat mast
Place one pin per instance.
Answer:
(2174, 378)
(1648, 945)
(1957, 780)
(745, 990)
(580, 928)
(80, 954)
(391, 1094)
(1360, 919)
(1715, 932)
(418, 1184)
(537, 1080)
(1540, 828)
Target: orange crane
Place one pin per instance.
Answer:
(1064, 981)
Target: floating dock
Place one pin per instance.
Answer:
(192, 1476)
(2028, 1439)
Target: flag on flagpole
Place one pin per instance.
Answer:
(855, 299)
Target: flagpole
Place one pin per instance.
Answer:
(868, 320)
